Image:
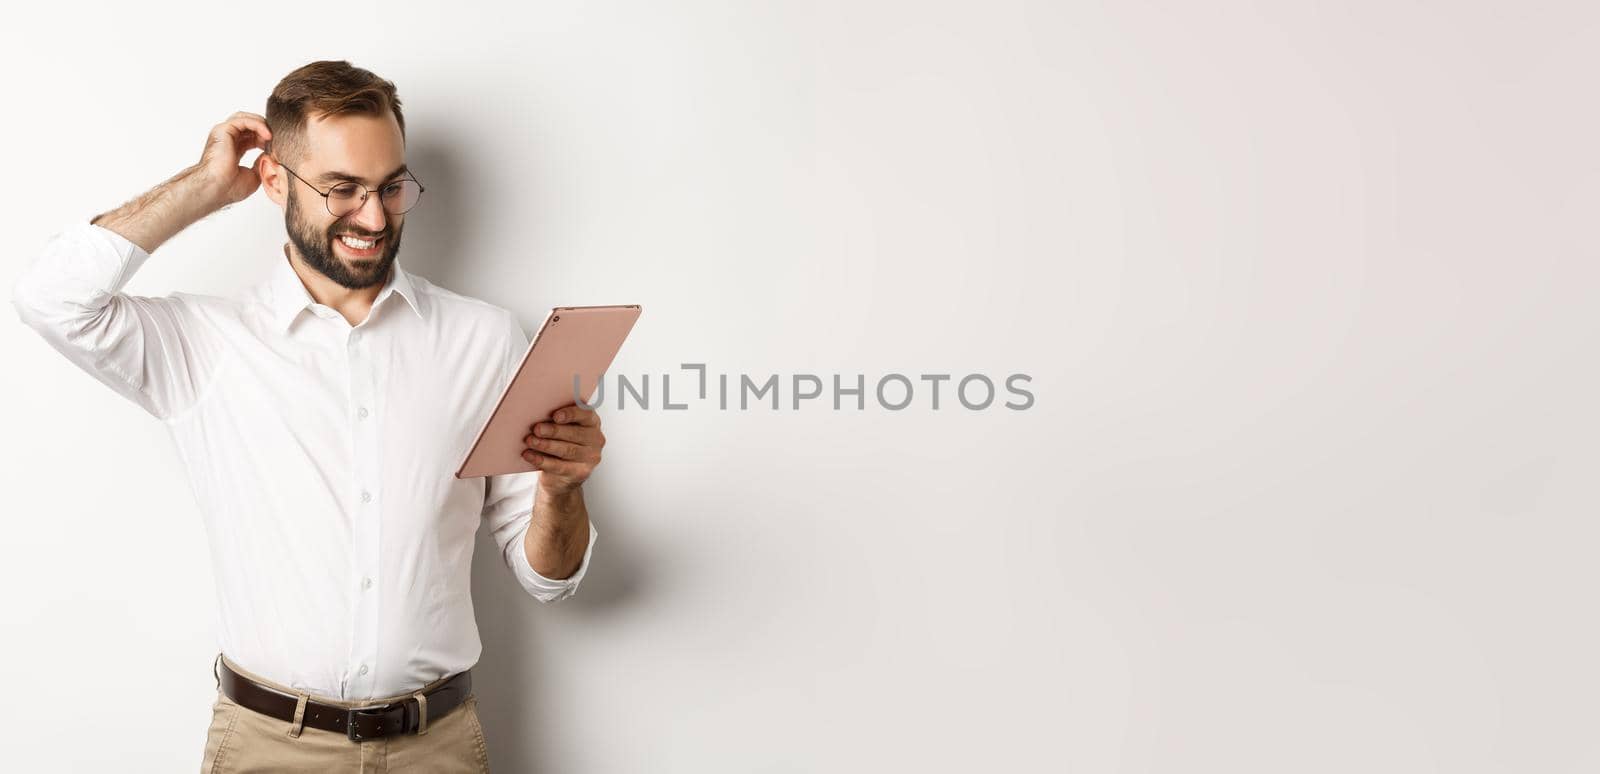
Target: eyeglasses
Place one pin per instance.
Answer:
(395, 198)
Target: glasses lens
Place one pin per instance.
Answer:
(344, 198)
(401, 195)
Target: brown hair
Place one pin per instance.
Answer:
(325, 88)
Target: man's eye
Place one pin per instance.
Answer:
(345, 191)
(393, 189)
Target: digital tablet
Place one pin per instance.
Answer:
(574, 340)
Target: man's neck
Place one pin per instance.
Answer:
(353, 304)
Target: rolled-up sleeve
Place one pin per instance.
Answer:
(509, 514)
(508, 505)
(151, 350)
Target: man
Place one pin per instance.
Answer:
(320, 415)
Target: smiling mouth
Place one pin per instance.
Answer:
(358, 247)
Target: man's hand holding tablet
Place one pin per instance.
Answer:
(566, 449)
(561, 370)
(539, 425)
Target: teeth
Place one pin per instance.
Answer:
(358, 244)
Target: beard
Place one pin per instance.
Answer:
(316, 248)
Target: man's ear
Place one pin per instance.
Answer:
(274, 181)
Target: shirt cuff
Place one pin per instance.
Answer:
(550, 589)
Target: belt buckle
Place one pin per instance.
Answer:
(351, 714)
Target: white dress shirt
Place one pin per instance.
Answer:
(322, 456)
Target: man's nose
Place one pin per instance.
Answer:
(370, 214)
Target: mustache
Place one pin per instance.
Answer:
(358, 233)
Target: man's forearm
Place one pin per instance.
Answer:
(161, 212)
(558, 535)
(215, 182)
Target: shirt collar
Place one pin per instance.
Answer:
(289, 297)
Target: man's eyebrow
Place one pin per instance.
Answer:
(329, 177)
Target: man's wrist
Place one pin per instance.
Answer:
(197, 194)
(555, 514)
(558, 492)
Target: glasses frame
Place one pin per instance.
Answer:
(365, 192)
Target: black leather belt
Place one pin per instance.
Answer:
(358, 723)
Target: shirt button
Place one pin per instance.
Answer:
(366, 583)
(362, 413)
(363, 669)
(366, 496)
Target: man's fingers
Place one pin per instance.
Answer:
(572, 415)
(260, 128)
(236, 125)
(229, 141)
(251, 120)
(575, 433)
(248, 134)
(554, 466)
(563, 449)
(242, 134)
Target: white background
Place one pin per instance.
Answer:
(1307, 292)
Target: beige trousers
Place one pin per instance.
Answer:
(242, 740)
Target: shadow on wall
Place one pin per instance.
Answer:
(514, 697)
(439, 238)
